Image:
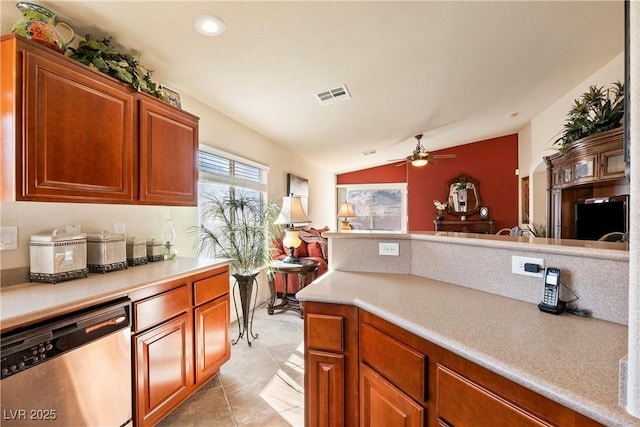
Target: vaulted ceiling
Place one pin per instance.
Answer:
(458, 71)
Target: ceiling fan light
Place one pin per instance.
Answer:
(419, 162)
(209, 25)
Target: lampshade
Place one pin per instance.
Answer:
(292, 211)
(346, 211)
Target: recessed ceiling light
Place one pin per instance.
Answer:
(209, 25)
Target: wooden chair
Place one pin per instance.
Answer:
(615, 236)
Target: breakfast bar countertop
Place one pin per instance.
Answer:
(571, 360)
(30, 302)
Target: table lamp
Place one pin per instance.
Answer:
(346, 211)
(292, 213)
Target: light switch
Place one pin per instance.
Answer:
(8, 238)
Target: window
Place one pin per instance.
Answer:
(222, 174)
(381, 207)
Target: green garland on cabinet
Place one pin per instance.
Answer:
(102, 56)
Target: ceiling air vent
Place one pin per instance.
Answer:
(334, 95)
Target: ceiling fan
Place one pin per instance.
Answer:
(421, 157)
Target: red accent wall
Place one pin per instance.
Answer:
(386, 174)
(492, 162)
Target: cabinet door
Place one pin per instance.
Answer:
(612, 164)
(584, 170)
(78, 140)
(382, 404)
(324, 390)
(164, 369)
(168, 154)
(212, 337)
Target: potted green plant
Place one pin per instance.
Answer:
(237, 225)
(597, 110)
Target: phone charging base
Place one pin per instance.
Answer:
(553, 309)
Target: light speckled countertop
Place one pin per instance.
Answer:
(30, 302)
(571, 360)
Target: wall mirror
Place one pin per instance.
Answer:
(463, 196)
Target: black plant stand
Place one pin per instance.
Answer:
(245, 289)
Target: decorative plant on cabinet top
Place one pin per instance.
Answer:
(597, 110)
(101, 55)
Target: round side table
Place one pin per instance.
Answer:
(288, 301)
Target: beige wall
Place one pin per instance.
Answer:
(536, 140)
(146, 222)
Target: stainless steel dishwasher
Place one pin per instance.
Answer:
(71, 371)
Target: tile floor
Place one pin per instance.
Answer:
(261, 385)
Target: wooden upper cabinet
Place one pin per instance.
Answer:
(74, 138)
(168, 154)
(72, 134)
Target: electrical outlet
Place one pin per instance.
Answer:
(119, 228)
(518, 262)
(72, 228)
(8, 238)
(392, 249)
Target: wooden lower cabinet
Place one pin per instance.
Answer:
(383, 404)
(326, 371)
(331, 365)
(164, 369)
(212, 338)
(181, 338)
(403, 380)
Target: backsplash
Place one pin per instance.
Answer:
(599, 277)
(12, 276)
(144, 222)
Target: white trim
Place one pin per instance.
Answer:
(400, 185)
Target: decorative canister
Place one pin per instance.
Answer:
(154, 250)
(136, 251)
(58, 256)
(106, 252)
(39, 23)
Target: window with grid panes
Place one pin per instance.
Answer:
(221, 174)
(378, 207)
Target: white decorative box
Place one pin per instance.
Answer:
(58, 256)
(136, 251)
(106, 252)
(154, 250)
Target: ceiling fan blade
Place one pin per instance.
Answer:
(397, 160)
(442, 156)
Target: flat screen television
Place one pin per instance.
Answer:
(597, 217)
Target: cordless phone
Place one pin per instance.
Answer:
(551, 302)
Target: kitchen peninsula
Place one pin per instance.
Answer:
(412, 331)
